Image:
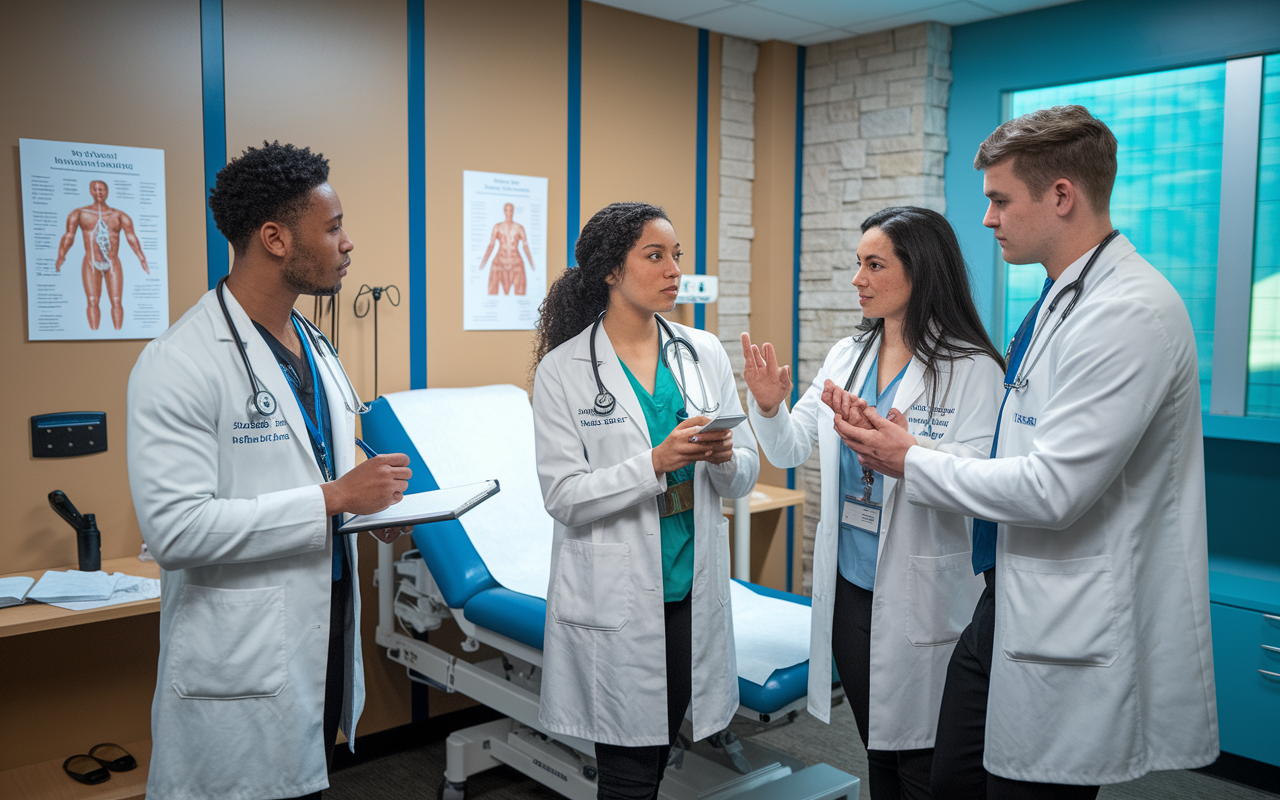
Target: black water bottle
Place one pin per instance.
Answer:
(89, 545)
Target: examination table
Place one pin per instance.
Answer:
(447, 578)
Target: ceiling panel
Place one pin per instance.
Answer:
(749, 21)
(815, 21)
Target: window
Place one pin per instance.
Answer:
(1263, 393)
(1169, 126)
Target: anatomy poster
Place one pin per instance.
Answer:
(94, 222)
(504, 219)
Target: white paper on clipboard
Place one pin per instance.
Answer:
(422, 507)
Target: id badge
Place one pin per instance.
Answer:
(861, 514)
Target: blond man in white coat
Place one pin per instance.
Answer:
(240, 456)
(639, 626)
(1094, 631)
(891, 597)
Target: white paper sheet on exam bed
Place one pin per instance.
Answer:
(471, 435)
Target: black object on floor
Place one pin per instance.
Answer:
(85, 769)
(113, 757)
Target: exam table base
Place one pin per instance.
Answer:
(567, 765)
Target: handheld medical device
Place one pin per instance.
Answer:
(605, 400)
(88, 538)
(723, 423)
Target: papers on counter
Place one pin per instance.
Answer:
(78, 591)
(13, 591)
(72, 585)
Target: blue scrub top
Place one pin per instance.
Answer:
(858, 549)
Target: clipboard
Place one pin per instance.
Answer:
(422, 507)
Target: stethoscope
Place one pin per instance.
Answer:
(264, 402)
(605, 401)
(1076, 288)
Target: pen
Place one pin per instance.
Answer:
(368, 451)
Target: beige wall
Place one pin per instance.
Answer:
(639, 123)
(772, 211)
(332, 76)
(78, 74)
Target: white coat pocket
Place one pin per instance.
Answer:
(1059, 612)
(722, 559)
(593, 585)
(938, 598)
(228, 643)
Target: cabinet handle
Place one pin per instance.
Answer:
(1269, 673)
(1271, 649)
(1271, 617)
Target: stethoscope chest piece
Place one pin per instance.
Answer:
(604, 404)
(264, 403)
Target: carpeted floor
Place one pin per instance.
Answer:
(417, 773)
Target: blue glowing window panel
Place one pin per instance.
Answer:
(1263, 398)
(1169, 128)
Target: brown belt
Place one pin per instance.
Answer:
(676, 499)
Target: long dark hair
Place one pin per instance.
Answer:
(941, 322)
(579, 295)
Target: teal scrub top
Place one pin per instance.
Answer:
(663, 411)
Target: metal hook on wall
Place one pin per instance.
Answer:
(393, 296)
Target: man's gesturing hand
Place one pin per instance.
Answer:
(369, 488)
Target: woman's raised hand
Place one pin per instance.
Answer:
(768, 383)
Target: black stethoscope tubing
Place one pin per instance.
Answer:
(605, 401)
(1076, 287)
(262, 401)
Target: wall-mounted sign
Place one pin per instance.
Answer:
(93, 218)
(504, 222)
(698, 289)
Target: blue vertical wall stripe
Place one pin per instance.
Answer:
(795, 291)
(700, 198)
(214, 92)
(417, 165)
(573, 191)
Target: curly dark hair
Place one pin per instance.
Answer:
(270, 183)
(579, 295)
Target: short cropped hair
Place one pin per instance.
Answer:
(1052, 143)
(272, 183)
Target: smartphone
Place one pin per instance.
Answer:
(723, 422)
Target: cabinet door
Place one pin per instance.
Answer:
(1247, 672)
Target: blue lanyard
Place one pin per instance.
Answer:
(319, 444)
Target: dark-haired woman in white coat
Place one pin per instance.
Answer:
(892, 582)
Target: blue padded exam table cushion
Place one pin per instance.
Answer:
(465, 582)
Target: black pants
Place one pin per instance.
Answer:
(962, 722)
(634, 773)
(335, 666)
(893, 773)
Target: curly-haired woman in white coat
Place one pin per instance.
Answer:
(639, 623)
(892, 583)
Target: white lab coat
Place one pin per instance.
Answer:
(604, 676)
(1102, 667)
(925, 589)
(236, 519)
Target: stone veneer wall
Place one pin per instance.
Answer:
(737, 171)
(874, 136)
